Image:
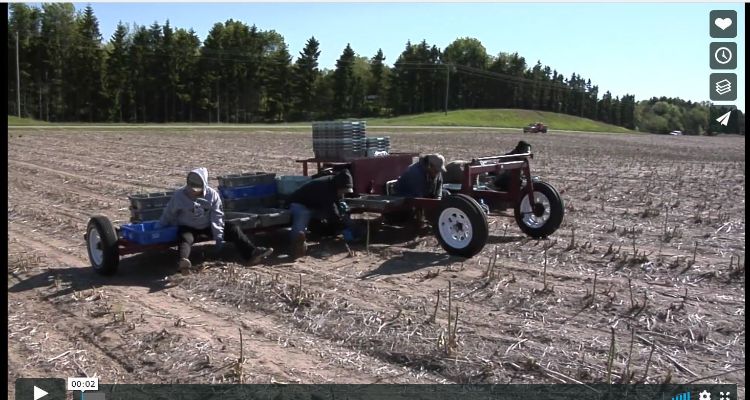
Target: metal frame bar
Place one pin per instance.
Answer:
(333, 162)
(518, 165)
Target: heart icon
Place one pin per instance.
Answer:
(723, 23)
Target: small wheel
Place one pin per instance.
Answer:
(461, 226)
(543, 217)
(101, 243)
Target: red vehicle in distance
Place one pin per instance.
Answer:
(535, 127)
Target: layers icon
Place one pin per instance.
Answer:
(723, 86)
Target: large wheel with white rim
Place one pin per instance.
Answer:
(461, 226)
(101, 243)
(542, 217)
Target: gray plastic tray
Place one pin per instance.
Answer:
(246, 179)
(151, 214)
(374, 202)
(243, 205)
(260, 217)
(144, 201)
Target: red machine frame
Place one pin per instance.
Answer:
(516, 164)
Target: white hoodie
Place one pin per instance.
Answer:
(200, 213)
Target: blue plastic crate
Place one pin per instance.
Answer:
(231, 193)
(144, 233)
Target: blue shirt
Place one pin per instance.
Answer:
(415, 182)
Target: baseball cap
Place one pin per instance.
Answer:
(437, 161)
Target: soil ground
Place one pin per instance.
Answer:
(651, 253)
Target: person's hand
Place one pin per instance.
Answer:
(343, 208)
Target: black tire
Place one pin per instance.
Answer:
(547, 216)
(107, 257)
(455, 212)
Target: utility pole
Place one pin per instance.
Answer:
(447, 85)
(18, 81)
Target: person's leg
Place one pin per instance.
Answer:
(249, 252)
(233, 234)
(300, 219)
(186, 239)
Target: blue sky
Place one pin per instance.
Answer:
(646, 49)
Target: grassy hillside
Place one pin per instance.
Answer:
(499, 118)
(16, 121)
(493, 118)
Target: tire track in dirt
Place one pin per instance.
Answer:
(380, 293)
(115, 180)
(105, 165)
(63, 200)
(91, 197)
(172, 307)
(83, 178)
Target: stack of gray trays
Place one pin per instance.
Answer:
(339, 140)
(378, 144)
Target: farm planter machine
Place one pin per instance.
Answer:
(459, 220)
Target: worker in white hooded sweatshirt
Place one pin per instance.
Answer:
(196, 210)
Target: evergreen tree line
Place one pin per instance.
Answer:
(242, 74)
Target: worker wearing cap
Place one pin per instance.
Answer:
(196, 210)
(319, 198)
(423, 178)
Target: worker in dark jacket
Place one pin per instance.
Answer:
(320, 199)
(501, 181)
(423, 178)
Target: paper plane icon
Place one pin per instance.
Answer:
(724, 119)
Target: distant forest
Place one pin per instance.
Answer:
(241, 74)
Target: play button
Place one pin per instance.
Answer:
(39, 393)
(40, 389)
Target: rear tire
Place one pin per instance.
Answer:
(461, 226)
(545, 216)
(101, 244)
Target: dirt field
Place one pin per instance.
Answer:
(651, 250)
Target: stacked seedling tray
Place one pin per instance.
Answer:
(241, 192)
(339, 140)
(146, 233)
(377, 145)
(148, 206)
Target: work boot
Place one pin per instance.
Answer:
(184, 265)
(260, 253)
(299, 246)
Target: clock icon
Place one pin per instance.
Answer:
(723, 55)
